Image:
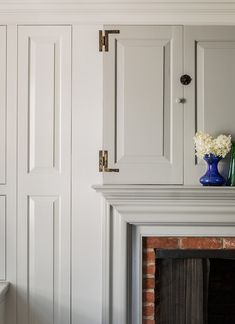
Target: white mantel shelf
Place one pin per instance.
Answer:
(156, 192)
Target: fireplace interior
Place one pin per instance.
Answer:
(188, 280)
(194, 286)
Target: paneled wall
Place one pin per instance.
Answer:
(46, 237)
(47, 206)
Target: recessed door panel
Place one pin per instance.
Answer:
(140, 118)
(216, 87)
(44, 104)
(44, 254)
(210, 98)
(142, 122)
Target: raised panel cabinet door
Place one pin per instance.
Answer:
(44, 180)
(143, 123)
(210, 98)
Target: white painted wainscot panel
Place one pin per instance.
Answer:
(44, 146)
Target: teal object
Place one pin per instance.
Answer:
(231, 173)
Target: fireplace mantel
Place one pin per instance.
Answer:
(158, 192)
(134, 211)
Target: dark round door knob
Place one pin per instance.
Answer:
(185, 79)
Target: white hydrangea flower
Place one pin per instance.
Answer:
(206, 144)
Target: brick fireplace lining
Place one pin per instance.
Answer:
(150, 244)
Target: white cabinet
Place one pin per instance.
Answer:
(148, 129)
(210, 99)
(44, 174)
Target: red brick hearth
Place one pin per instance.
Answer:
(149, 267)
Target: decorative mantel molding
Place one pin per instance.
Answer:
(134, 211)
(158, 192)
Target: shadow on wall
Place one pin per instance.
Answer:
(43, 310)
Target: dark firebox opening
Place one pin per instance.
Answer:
(195, 286)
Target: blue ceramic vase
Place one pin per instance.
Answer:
(212, 177)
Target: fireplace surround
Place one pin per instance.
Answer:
(132, 212)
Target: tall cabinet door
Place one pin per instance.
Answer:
(210, 98)
(44, 159)
(143, 119)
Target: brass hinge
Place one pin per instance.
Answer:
(103, 162)
(104, 39)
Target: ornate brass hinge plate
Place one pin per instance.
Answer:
(103, 162)
(104, 39)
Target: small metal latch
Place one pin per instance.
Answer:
(103, 162)
(180, 100)
(104, 39)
